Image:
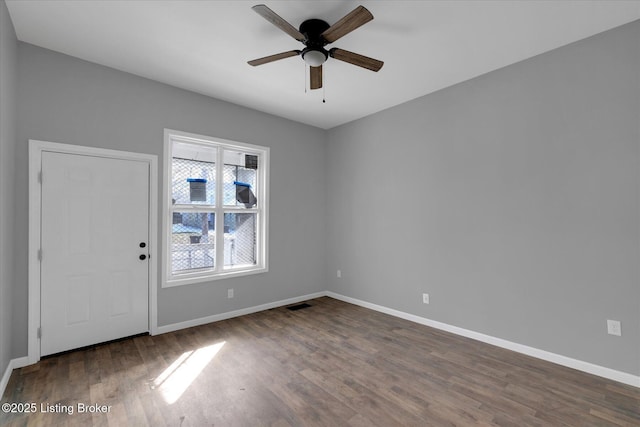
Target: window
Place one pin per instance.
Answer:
(215, 208)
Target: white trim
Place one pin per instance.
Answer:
(36, 148)
(35, 162)
(236, 313)
(569, 362)
(13, 364)
(153, 245)
(262, 211)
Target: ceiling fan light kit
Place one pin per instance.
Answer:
(315, 34)
(314, 57)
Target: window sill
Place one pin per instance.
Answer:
(189, 279)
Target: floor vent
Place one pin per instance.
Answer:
(298, 306)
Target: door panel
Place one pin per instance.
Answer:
(94, 286)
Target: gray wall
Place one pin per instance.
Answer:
(8, 79)
(67, 100)
(512, 199)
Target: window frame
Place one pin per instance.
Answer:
(169, 279)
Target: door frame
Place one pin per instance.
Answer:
(36, 148)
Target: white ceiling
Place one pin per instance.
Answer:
(204, 46)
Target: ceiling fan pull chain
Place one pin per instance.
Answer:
(324, 86)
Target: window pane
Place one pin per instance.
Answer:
(240, 179)
(193, 182)
(239, 239)
(192, 241)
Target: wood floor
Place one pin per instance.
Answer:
(332, 364)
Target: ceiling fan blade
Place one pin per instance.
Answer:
(277, 20)
(356, 59)
(354, 19)
(315, 77)
(275, 57)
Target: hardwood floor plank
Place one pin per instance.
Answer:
(330, 364)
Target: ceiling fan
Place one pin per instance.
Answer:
(315, 34)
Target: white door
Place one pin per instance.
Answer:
(94, 236)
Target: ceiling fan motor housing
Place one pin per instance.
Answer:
(314, 54)
(312, 30)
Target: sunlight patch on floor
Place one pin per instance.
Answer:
(175, 380)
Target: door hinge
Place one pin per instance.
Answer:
(39, 254)
(39, 332)
(40, 177)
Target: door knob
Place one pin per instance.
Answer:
(143, 257)
(143, 244)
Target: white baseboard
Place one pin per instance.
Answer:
(569, 362)
(230, 314)
(13, 364)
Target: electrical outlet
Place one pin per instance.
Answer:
(614, 328)
(425, 298)
(230, 293)
(339, 273)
